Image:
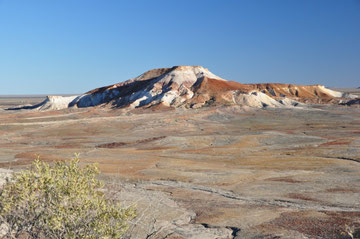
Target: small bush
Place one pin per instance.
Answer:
(60, 201)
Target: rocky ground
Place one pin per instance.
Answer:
(213, 172)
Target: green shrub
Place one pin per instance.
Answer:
(60, 201)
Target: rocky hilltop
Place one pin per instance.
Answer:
(193, 87)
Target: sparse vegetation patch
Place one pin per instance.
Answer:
(60, 201)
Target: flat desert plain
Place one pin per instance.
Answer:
(213, 172)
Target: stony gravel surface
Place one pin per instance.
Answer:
(215, 172)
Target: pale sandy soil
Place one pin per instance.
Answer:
(219, 172)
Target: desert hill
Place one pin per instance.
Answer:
(192, 87)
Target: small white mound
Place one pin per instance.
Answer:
(337, 93)
(50, 103)
(56, 102)
(256, 99)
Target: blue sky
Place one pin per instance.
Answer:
(72, 46)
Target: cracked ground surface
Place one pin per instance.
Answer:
(222, 172)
